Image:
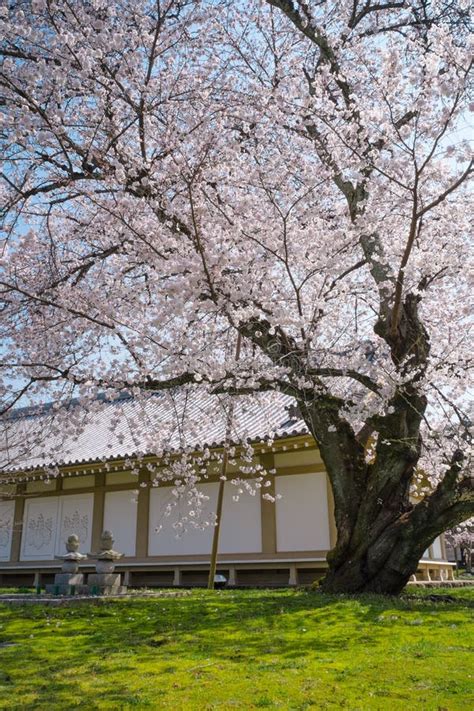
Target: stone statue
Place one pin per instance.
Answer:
(106, 557)
(72, 557)
(107, 546)
(72, 543)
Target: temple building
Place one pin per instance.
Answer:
(99, 475)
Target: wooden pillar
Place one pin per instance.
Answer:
(143, 515)
(98, 511)
(269, 544)
(18, 522)
(426, 574)
(293, 577)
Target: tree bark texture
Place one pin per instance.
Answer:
(381, 533)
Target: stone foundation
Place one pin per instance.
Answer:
(103, 579)
(65, 583)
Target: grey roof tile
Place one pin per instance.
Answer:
(175, 421)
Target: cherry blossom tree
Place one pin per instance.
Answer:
(179, 172)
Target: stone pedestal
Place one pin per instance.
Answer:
(103, 579)
(105, 584)
(65, 583)
(69, 579)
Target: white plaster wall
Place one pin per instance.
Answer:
(120, 517)
(75, 516)
(7, 510)
(241, 529)
(302, 522)
(164, 542)
(39, 528)
(437, 550)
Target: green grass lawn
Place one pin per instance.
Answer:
(281, 649)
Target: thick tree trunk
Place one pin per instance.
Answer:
(381, 534)
(384, 565)
(382, 549)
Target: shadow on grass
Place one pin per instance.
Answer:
(82, 650)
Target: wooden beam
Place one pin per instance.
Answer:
(18, 522)
(268, 507)
(98, 512)
(143, 515)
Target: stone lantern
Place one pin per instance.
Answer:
(66, 581)
(105, 581)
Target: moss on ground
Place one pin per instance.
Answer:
(272, 649)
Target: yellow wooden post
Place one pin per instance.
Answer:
(220, 493)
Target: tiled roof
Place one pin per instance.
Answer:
(185, 420)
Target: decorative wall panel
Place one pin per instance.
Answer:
(7, 510)
(75, 516)
(49, 520)
(39, 528)
(302, 520)
(120, 517)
